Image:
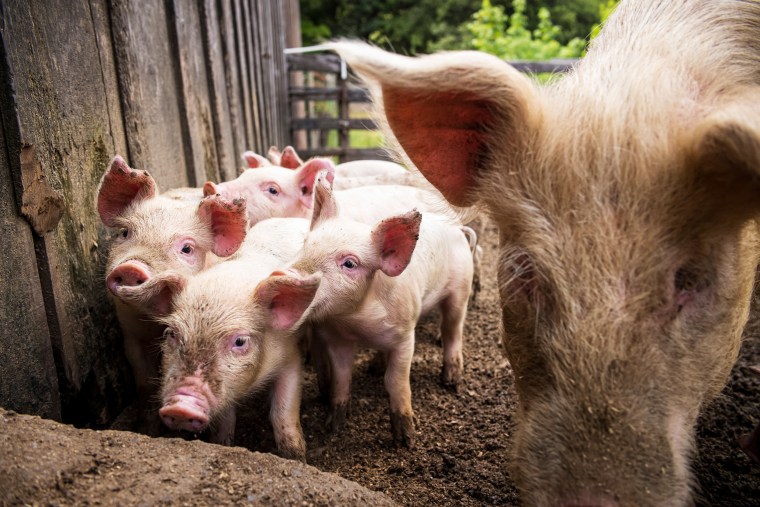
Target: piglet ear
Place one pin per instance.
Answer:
(394, 240)
(287, 297)
(156, 295)
(121, 186)
(228, 221)
(308, 172)
(290, 159)
(274, 155)
(325, 206)
(209, 188)
(254, 160)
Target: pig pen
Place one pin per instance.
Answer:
(463, 439)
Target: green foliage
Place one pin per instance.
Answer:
(511, 39)
(605, 9)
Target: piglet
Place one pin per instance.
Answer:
(159, 240)
(234, 330)
(377, 282)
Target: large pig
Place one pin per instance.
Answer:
(159, 239)
(626, 194)
(376, 283)
(232, 331)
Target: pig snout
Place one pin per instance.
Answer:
(188, 407)
(127, 274)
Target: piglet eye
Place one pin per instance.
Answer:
(241, 344)
(187, 249)
(686, 280)
(124, 232)
(240, 341)
(349, 264)
(272, 190)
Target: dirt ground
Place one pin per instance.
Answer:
(463, 441)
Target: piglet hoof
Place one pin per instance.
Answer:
(336, 421)
(292, 451)
(750, 444)
(451, 377)
(402, 427)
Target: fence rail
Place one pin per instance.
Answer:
(321, 94)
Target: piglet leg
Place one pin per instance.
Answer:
(400, 392)
(453, 310)
(341, 355)
(285, 414)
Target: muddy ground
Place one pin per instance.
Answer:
(463, 439)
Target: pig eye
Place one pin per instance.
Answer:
(350, 263)
(688, 283)
(273, 190)
(124, 232)
(187, 249)
(241, 344)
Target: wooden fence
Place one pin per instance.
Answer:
(179, 87)
(321, 95)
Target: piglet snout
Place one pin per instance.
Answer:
(127, 274)
(185, 412)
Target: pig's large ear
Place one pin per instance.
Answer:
(325, 205)
(157, 294)
(451, 113)
(274, 155)
(290, 159)
(726, 154)
(121, 186)
(286, 297)
(254, 160)
(394, 240)
(210, 188)
(307, 174)
(228, 221)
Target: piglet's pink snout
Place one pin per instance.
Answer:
(185, 410)
(127, 274)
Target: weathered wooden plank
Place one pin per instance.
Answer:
(195, 99)
(213, 42)
(327, 62)
(312, 93)
(233, 79)
(252, 28)
(65, 139)
(28, 377)
(149, 91)
(279, 33)
(242, 32)
(333, 124)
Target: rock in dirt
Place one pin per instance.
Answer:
(44, 462)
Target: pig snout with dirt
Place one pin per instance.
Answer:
(626, 194)
(233, 331)
(376, 282)
(159, 239)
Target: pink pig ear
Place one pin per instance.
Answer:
(307, 174)
(254, 160)
(121, 186)
(274, 155)
(325, 205)
(290, 159)
(210, 188)
(287, 297)
(394, 240)
(228, 221)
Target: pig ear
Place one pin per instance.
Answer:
(394, 240)
(121, 186)
(325, 205)
(726, 153)
(157, 294)
(254, 160)
(274, 155)
(307, 174)
(209, 188)
(290, 159)
(287, 297)
(228, 221)
(451, 113)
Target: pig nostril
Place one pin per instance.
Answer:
(138, 282)
(119, 280)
